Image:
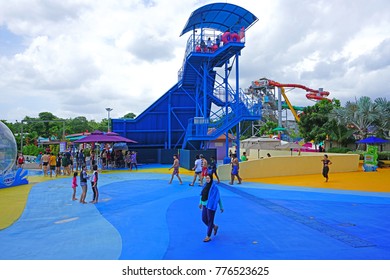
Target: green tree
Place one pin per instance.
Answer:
(102, 126)
(32, 150)
(314, 123)
(129, 116)
(340, 133)
(9, 125)
(29, 126)
(383, 123)
(267, 128)
(50, 128)
(43, 125)
(359, 116)
(78, 125)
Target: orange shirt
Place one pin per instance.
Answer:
(52, 160)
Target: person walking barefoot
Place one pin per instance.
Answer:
(197, 170)
(235, 170)
(175, 166)
(212, 170)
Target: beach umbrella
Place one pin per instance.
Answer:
(279, 129)
(101, 137)
(372, 140)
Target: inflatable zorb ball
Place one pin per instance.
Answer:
(8, 149)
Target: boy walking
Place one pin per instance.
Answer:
(175, 166)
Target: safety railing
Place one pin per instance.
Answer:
(208, 42)
(218, 123)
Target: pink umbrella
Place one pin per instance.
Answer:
(99, 137)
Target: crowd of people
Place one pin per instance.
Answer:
(208, 46)
(203, 168)
(118, 159)
(67, 162)
(204, 173)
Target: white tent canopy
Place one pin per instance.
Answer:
(262, 143)
(288, 146)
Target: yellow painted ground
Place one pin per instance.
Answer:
(354, 181)
(13, 200)
(12, 203)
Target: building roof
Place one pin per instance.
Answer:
(220, 16)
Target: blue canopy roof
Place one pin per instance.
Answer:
(219, 16)
(372, 140)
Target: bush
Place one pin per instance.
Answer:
(339, 150)
(32, 150)
(55, 149)
(384, 155)
(381, 155)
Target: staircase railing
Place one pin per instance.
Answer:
(210, 128)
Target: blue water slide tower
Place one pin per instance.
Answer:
(203, 104)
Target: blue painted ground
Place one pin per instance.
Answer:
(141, 217)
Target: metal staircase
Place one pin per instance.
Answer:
(202, 105)
(225, 108)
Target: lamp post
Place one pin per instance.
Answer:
(108, 112)
(20, 135)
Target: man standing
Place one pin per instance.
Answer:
(52, 163)
(45, 163)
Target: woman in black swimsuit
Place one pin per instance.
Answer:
(325, 170)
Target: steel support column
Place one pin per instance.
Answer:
(169, 121)
(226, 109)
(237, 97)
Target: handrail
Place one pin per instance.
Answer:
(195, 44)
(211, 128)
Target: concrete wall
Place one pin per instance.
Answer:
(257, 154)
(286, 165)
(187, 157)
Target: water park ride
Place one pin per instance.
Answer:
(312, 94)
(202, 105)
(263, 87)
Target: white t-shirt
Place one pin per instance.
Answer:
(198, 165)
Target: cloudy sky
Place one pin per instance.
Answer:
(77, 57)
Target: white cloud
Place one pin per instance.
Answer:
(77, 57)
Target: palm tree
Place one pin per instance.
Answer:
(359, 116)
(383, 124)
